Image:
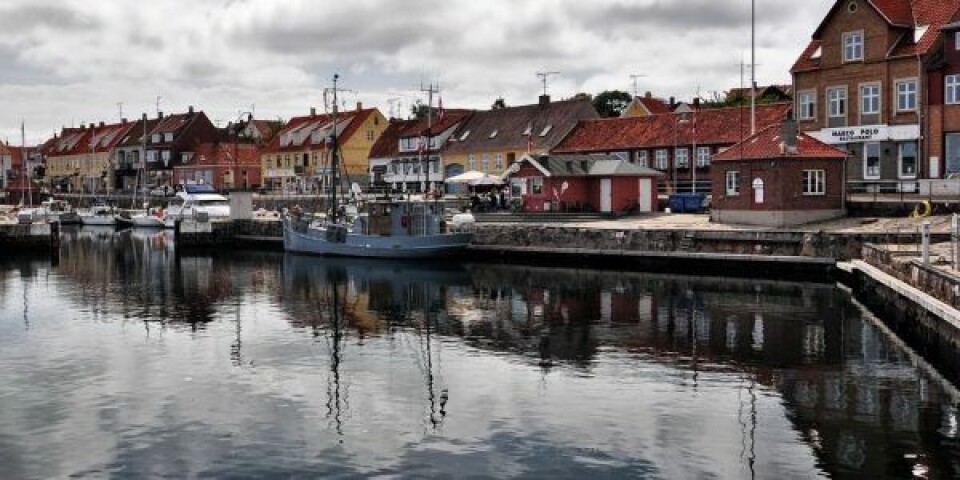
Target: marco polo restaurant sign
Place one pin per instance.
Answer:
(867, 133)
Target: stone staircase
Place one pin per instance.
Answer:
(509, 217)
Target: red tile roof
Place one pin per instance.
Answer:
(173, 123)
(653, 105)
(347, 123)
(714, 126)
(768, 144)
(895, 12)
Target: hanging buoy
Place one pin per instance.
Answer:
(927, 209)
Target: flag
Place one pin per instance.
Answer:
(440, 109)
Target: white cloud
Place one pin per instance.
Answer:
(63, 62)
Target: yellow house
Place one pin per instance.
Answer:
(297, 159)
(79, 159)
(644, 106)
(490, 141)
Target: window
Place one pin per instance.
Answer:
(838, 101)
(733, 183)
(165, 155)
(152, 156)
(499, 162)
(168, 137)
(536, 185)
(953, 153)
(852, 46)
(907, 96)
(642, 158)
(807, 104)
(369, 135)
(703, 156)
(472, 162)
(185, 157)
(814, 182)
(953, 88)
(908, 160)
(681, 159)
(494, 133)
(155, 138)
(870, 99)
(871, 161)
(465, 135)
(546, 130)
(485, 162)
(661, 160)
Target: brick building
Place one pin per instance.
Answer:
(943, 111)
(858, 85)
(778, 178)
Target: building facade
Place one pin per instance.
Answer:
(861, 85)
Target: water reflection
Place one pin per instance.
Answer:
(132, 360)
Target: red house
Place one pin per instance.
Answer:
(224, 165)
(778, 178)
(599, 183)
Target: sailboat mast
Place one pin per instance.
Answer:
(26, 167)
(334, 161)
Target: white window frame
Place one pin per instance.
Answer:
(471, 162)
(681, 161)
(853, 46)
(485, 162)
(814, 183)
(867, 175)
(732, 183)
(498, 162)
(155, 138)
(703, 157)
(807, 105)
(662, 159)
(168, 137)
(643, 158)
(951, 88)
(908, 94)
(875, 96)
(916, 161)
(835, 102)
(536, 185)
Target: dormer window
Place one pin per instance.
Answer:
(817, 53)
(155, 138)
(546, 130)
(465, 135)
(494, 133)
(853, 46)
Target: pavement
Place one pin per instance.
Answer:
(669, 221)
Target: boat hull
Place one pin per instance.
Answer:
(98, 220)
(314, 242)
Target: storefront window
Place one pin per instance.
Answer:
(953, 153)
(908, 160)
(871, 160)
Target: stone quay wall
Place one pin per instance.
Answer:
(839, 246)
(938, 283)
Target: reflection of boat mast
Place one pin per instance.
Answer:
(438, 403)
(748, 432)
(334, 402)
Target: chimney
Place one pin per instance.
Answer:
(144, 117)
(544, 100)
(190, 109)
(102, 124)
(123, 121)
(313, 111)
(647, 94)
(789, 135)
(359, 106)
(696, 103)
(673, 102)
(159, 115)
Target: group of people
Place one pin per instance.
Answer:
(489, 201)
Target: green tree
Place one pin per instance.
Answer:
(418, 110)
(611, 103)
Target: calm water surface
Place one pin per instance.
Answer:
(126, 360)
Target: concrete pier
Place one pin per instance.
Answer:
(35, 238)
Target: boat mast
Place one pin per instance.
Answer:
(26, 167)
(334, 160)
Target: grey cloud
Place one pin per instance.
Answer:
(20, 19)
(672, 14)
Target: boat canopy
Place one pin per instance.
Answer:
(199, 188)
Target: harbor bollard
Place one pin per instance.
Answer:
(925, 245)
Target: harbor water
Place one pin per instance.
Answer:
(127, 359)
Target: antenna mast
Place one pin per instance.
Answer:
(543, 78)
(634, 77)
(430, 90)
(753, 67)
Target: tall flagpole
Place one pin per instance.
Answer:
(753, 67)
(23, 158)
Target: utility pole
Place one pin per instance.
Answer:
(543, 78)
(120, 108)
(634, 77)
(158, 104)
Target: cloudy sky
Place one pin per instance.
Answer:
(63, 62)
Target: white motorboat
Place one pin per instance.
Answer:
(99, 215)
(59, 211)
(152, 218)
(198, 202)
